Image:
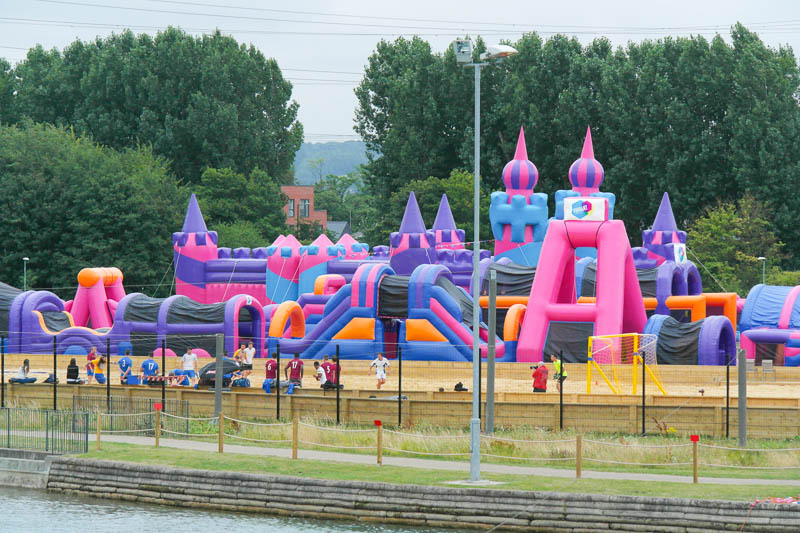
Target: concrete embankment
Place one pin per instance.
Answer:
(441, 507)
(21, 468)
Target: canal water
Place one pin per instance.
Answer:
(35, 510)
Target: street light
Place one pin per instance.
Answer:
(763, 269)
(463, 52)
(25, 273)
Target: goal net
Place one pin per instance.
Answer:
(617, 363)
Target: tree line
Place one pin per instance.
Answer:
(705, 120)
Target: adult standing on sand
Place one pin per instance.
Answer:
(560, 371)
(381, 369)
(540, 373)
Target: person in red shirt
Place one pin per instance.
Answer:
(271, 375)
(296, 374)
(327, 366)
(540, 377)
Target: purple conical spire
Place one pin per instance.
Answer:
(194, 223)
(444, 217)
(665, 220)
(412, 218)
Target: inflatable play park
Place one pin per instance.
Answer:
(560, 280)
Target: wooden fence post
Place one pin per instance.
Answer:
(578, 456)
(294, 436)
(158, 426)
(695, 439)
(380, 442)
(221, 426)
(99, 425)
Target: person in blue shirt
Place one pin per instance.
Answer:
(149, 369)
(125, 366)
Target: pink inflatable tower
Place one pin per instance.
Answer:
(618, 307)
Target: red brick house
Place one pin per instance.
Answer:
(301, 205)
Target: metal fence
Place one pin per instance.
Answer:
(44, 430)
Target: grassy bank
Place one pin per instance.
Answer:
(402, 475)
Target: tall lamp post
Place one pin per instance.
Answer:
(25, 273)
(463, 53)
(763, 269)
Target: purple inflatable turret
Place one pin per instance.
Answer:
(412, 245)
(445, 234)
(193, 247)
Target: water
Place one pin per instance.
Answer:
(34, 510)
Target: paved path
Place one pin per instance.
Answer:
(433, 464)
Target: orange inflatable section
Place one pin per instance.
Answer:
(697, 304)
(504, 302)
(420, 329)
(358, 328)
(513, 322)
(285, 312)
(88, 277)
(328, 283)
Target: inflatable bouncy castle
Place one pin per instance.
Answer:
(560, 280)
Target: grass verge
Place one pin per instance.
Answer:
(402, 475)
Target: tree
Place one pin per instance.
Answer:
(247, 209)
(202, 102)
(346, 198)
(459, 189)
(705, 120)
(727, 241)
(69, 203)
(6, 92)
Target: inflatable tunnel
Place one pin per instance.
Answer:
(710, 341)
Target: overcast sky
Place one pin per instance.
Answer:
(322, 46)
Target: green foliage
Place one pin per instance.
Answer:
(345, 198)
(705, 120)
(202, 102)
(6, 92)
(334, 158)
(459, 189)
(728, 240)
(244, 210)
(69, 203)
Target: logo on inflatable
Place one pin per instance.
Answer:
(248, 300)
(581, 209)
(680, 253)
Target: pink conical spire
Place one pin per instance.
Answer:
(522, 150)
(588, 149)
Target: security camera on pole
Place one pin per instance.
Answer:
(463, 52)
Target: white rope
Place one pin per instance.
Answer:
(190, 434)
(528, 458)
(749, 449)
(188, 417)
(151, 413)
(634, 464)
(127, 430)
(255, 440)
(337, 446)
(337, 429)
(751, 467)
(425, 453)
(528, 441)
(422, 435)
(255, 423)
(637, 445)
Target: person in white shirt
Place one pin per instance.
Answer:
(381, 369)
(189, 363)
(247, 360)
(319, 375)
